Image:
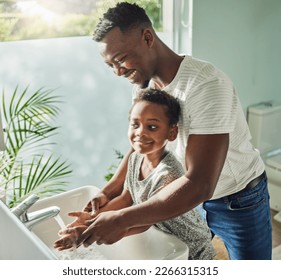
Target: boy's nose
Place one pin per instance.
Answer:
(140, 131)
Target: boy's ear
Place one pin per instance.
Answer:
(173, 133)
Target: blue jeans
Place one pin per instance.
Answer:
(243, 222)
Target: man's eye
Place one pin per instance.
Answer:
(109, 65)
(121, 60)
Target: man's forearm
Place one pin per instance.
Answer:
(173, 200)
(137, 230)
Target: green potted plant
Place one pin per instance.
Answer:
(28, 164)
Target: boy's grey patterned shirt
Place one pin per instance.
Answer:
(189, 227)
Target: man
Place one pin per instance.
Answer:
(223, 170)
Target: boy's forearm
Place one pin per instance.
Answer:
(119, 202)
(115, 186)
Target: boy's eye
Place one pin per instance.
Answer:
(152, 127)
(134, 125)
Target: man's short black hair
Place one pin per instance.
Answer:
(162, 98)
(125, 16)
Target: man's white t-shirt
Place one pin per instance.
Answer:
(209, 105)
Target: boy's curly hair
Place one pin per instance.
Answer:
(162, 98)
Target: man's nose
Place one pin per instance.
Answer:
(119, 70)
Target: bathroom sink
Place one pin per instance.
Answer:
(17, 242)
(152, 244)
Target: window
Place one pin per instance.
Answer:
(27, 19)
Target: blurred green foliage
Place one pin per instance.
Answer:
(8, 19)
(16, 25)
(112, 168)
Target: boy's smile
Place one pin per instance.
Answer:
(149, 129)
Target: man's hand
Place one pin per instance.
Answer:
(106, 228)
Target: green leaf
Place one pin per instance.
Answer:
(29, 166)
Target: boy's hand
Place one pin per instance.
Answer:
(97, 202)
(73, 231)
(81, 218)
(69, 238)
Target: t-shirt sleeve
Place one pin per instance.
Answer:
(212, 107)
(172, 171)
(164, 179)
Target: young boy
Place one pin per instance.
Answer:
(153, 122)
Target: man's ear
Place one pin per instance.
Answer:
(148, 37)
(173, 133)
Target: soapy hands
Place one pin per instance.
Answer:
(73, 231)
(101, 221)
(71, 236)
(89, 228)
(104, 229)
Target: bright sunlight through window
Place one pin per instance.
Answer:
(25, 19)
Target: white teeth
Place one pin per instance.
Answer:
(132, 76)
(143, 142)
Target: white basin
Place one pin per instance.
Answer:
(17, 242)
(150, 245)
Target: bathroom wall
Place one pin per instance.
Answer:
(243, 38)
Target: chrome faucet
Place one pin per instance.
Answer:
(33, 218)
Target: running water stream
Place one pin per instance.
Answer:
(81, 253)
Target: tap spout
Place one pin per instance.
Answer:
(33, 218)
(36, 217)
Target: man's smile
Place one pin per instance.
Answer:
(130, 75)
